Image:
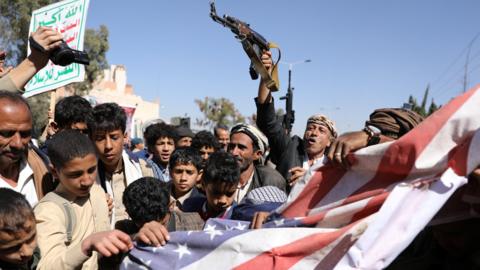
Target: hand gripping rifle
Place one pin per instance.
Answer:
(254, 44)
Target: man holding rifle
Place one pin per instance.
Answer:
(294, 156)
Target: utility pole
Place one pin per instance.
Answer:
(467, 60)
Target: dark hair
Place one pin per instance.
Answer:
(71, 110)
(205, 138)
(146, 199)
(157, 131)
(108, 117)
(219, 126)
(221, 167)
(185, 156)
(15, 98)
(14, 212)
(67, 145)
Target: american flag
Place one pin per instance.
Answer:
(356, 219)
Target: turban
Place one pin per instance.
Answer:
(256, 135)
(324, 121)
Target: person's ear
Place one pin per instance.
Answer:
(54, 126)
(257, 155)
(171, 205)
(53, 171)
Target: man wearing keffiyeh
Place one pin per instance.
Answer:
(248, 145)
(294, 156)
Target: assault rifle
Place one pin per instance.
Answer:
(254, 44)
(289, 117)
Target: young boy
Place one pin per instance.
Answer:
(148, 199)
(161, 139)
(219, 180)
(17, 231)
(185, 165)
(116, 170)
(206, 144)
(72, 221)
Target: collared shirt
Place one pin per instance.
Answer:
(306, 165)
(243, 190)
(310, 170)
(179, 201)
(165, 173)
(116, 184)
(25, 183)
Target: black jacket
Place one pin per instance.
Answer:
(266, 176)
(285, 151)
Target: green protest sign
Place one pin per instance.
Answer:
(69, 18)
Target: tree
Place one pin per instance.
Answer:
(422, 109)
(218, 111)
(14, 25)
(433, 107)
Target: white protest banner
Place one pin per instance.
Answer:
(69, 18)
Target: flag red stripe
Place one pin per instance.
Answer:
(286, 256)
(319, 185)
(372, 206)
(400, 157)
(395, 165)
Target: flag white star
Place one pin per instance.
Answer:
(155, 249)
(182, 250)
(210, 230)
(240, 226)
(189, 232)
(279, 222)
(126, 262)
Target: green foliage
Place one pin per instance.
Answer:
(433, 107)
(422, 109)
(14, 24)
(96, 45)
(218, 111)
(39, 105)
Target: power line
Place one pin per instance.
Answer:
(440, 90)
(456, 77)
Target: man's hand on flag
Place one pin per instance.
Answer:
(258, 219)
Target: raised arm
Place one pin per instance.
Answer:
(49, 39)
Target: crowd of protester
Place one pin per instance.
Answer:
(81, 198)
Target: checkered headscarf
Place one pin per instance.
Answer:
(321, 119)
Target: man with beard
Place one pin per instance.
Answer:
(22, 167)
(292, 155)
(247, 145)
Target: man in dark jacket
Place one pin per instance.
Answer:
(292, 155)
(248, 145)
